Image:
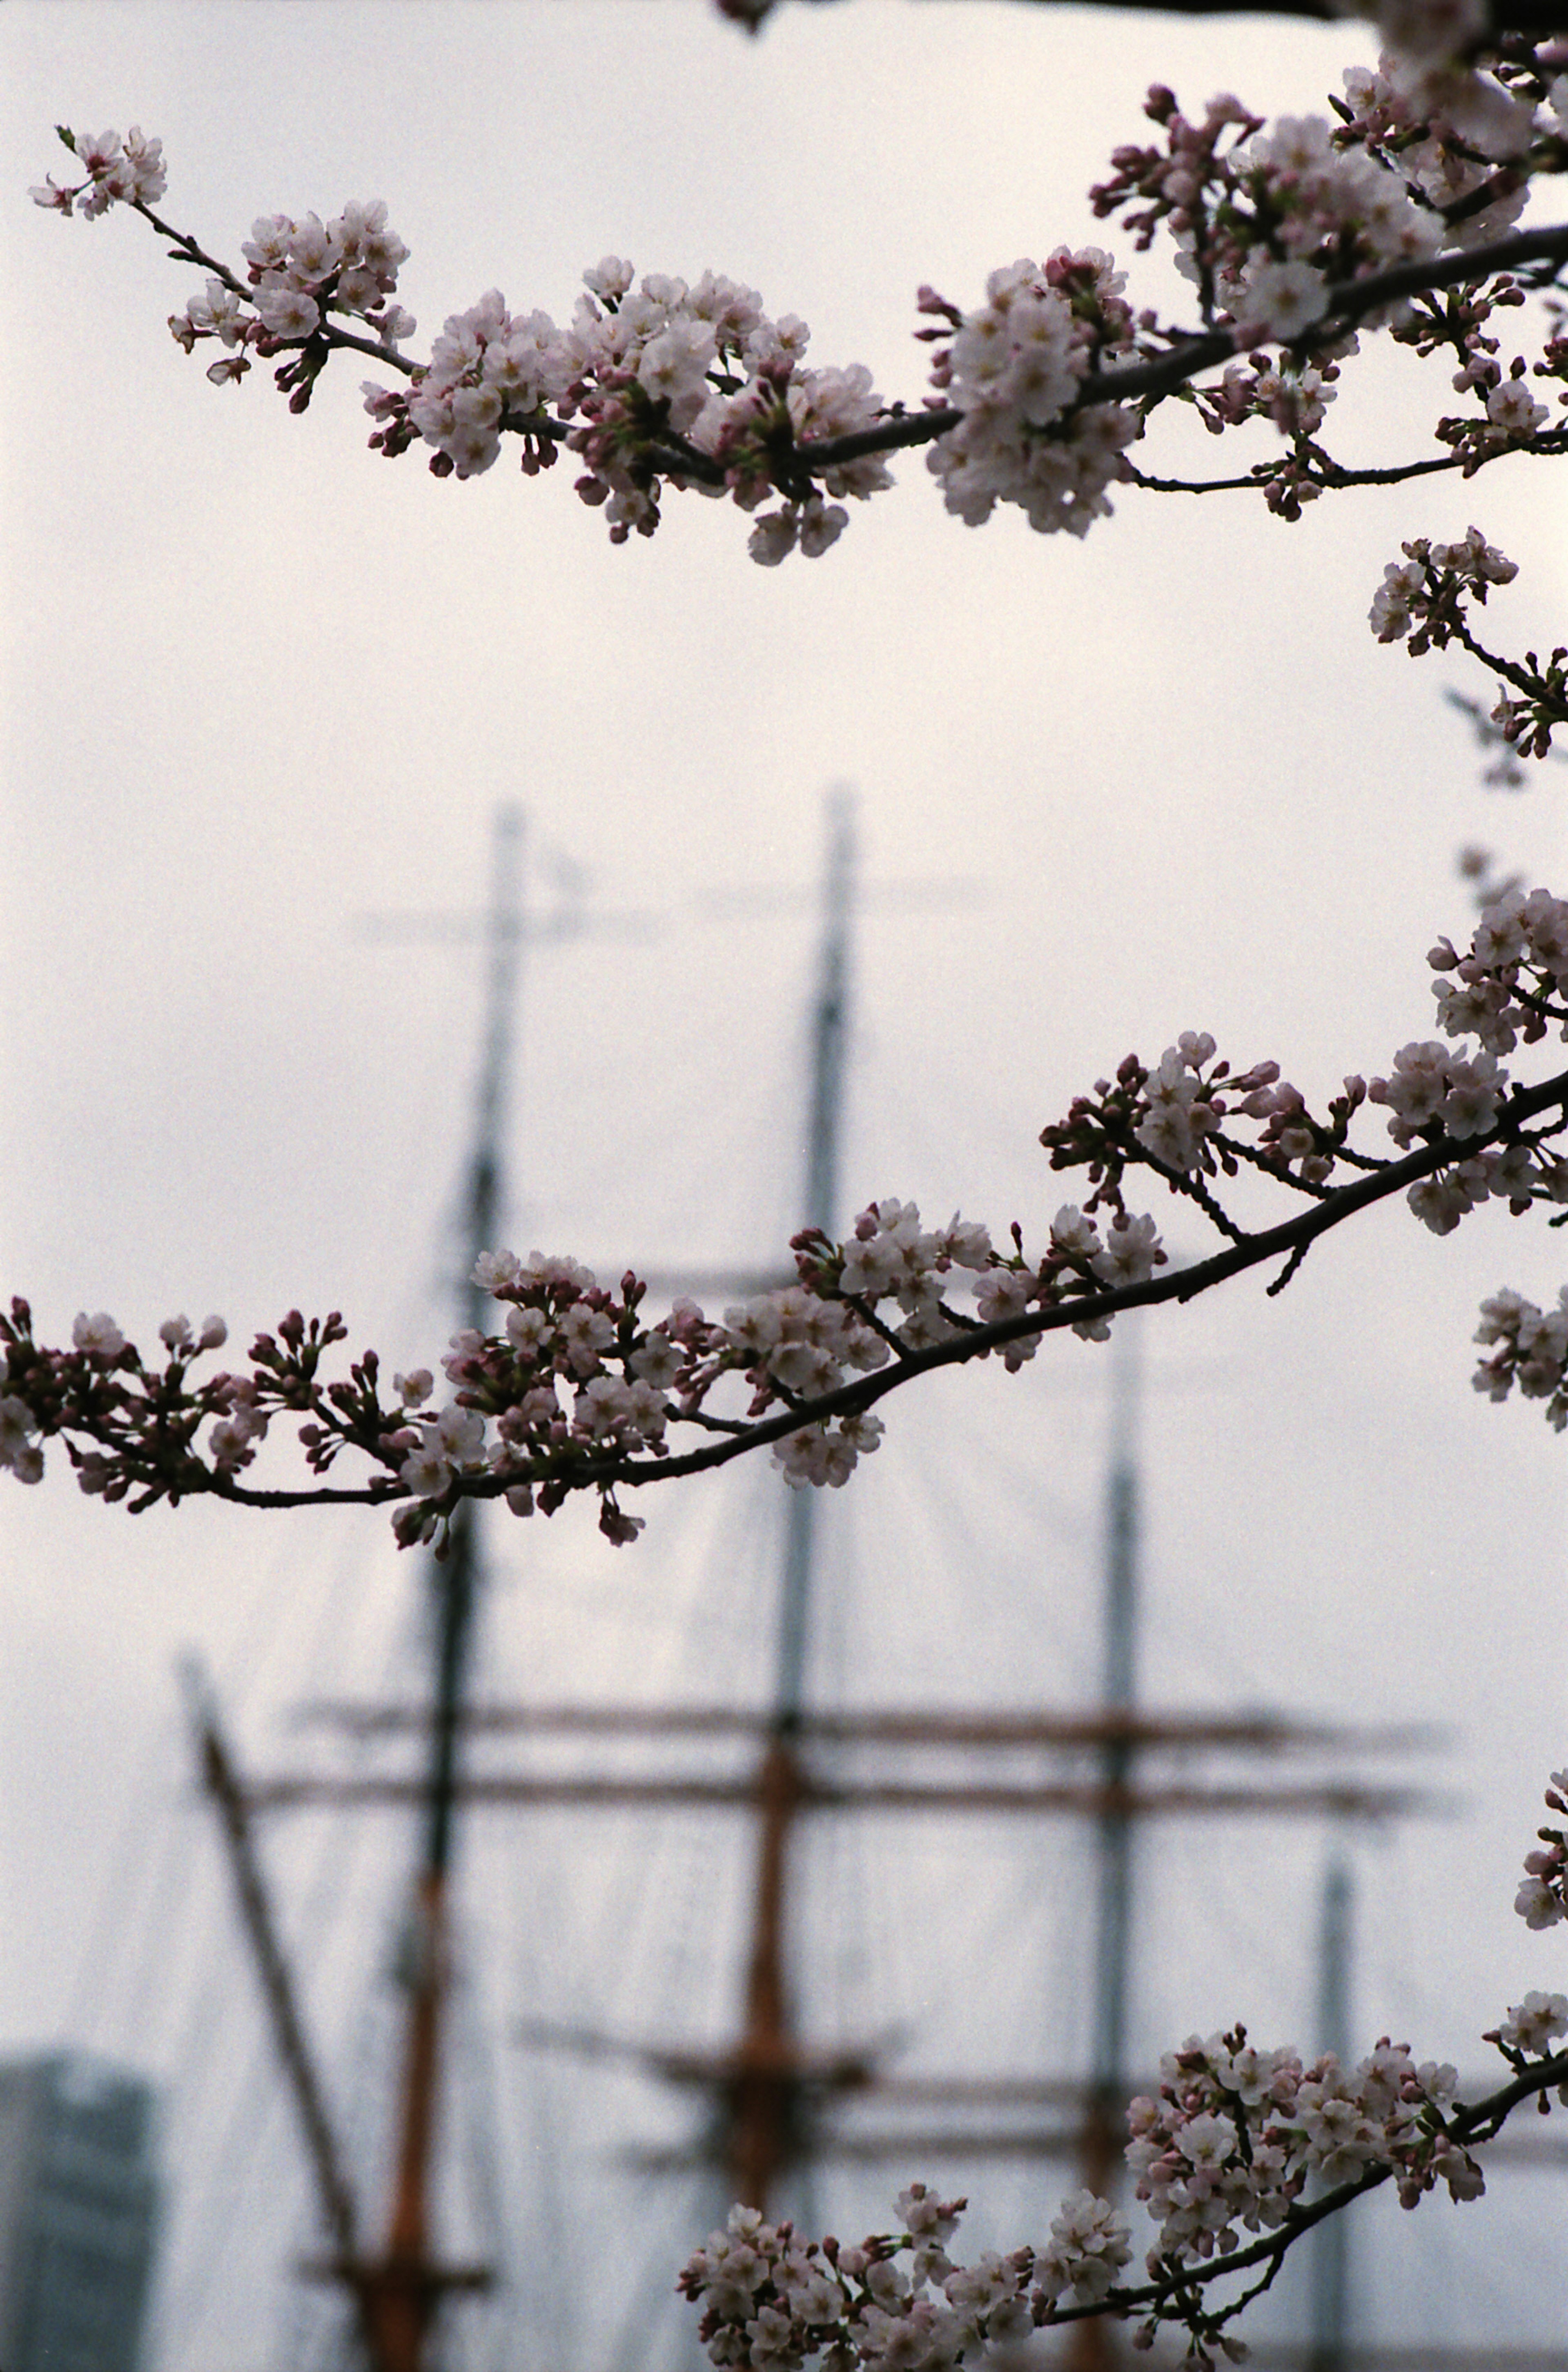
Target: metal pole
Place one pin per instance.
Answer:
(829, 1019)
(1117, 1755)
(455, 1578)
(1093, 2347)
(1330, 2260)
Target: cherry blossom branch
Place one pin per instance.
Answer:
(1462, 2126)
(1534, 19)
(1232, 2140)
(1235, 2140)
(584, 1393)
(1086, 1313)
(1343, 306)
(1295, 238)
(1288, 1240)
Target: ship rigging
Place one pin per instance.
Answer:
(771, 2097)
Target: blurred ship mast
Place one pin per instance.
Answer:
(402, 2289)
(396, 2289)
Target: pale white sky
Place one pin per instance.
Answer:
(264, 683)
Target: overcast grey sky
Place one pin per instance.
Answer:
(264, 684)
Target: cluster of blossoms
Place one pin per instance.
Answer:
(1510, 985)
(1542, 1900)
(1530, 1347)
(1423, 602)
(128, 173)
(1532, 2027)
(1286, 234)
(1533, 2030)
(658, 375)
(147, 1418)
(898, 2303)
(1457, 138)
(1458, 1092)
(1236, 2135)
(890, 1255)
(1421, 599)
(1272, 225)
(1013, 369)
(1302, 215)
(301, 271)
(97, 1343)
(1173, 1117)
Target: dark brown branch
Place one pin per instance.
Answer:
(1343, 306)
(1534, 19)
(1550, 445)
(186, 251)
(1532, 686)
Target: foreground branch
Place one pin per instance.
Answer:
(584, 1393)
(1293, 240)
(1537, 19)
(1235, 2141)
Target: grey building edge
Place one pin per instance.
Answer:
(80, 2209)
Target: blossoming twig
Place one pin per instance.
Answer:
(1294, 238)
(584, 1394)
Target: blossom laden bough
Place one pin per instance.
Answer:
(1231, 2144)
(1235, 2141)
(1296, 237)
(575, 1390)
